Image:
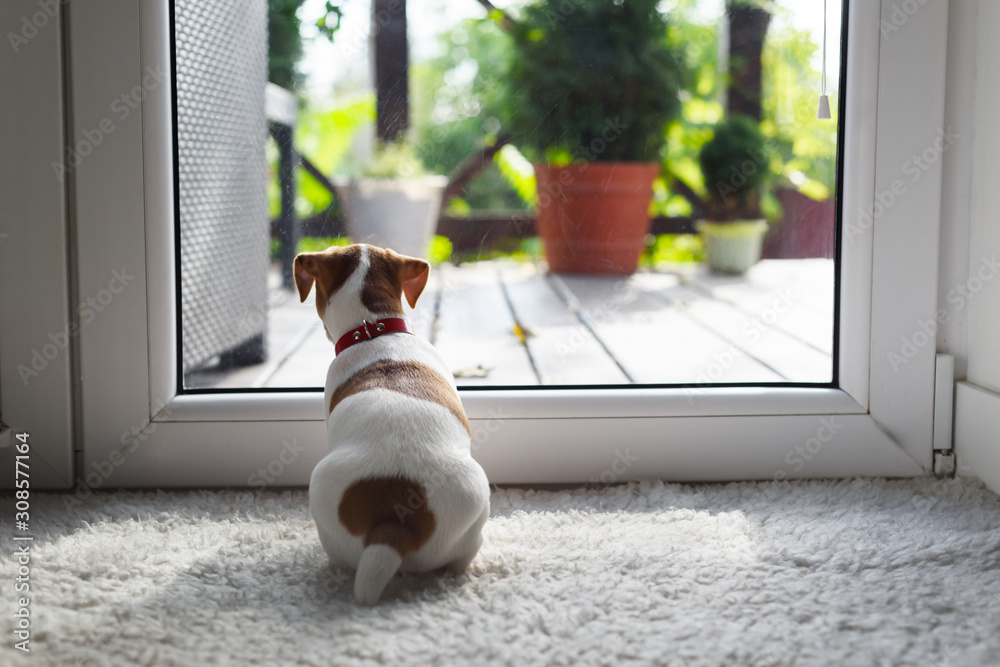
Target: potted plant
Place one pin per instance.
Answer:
(392, 202)
(735, 165)
(592, 85)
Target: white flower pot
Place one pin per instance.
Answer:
(400, 214)
(732, 247)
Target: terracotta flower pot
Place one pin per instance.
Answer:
(593, 218)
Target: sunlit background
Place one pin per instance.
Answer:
(460, 103)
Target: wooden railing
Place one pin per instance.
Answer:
(477, 230)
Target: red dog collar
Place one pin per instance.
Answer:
(369, 330)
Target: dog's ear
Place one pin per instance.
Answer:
(413, 274)
(305, 273)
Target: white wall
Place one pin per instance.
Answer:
(984, 243)
(956, 190)
(971, 288)
(35, 348)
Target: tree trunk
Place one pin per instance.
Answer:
(747, 29)
(392, 88)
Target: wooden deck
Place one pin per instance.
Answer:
(505, 323)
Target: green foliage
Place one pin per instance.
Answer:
(461, 99)
(439, 250)
(805, 146)
(325, 137)
(284, 38)
(592, 80)
(803, 149)
(519, 250)
(329, 22)
(734, 164)
(396, 159)
(518, 172)
(697, 47)
(321, 243)
(674, 249)
(457, 106)
(284, 43)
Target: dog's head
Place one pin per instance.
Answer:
(359, 282)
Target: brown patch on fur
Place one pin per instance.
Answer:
(388, 510)
(329, 269)
(389, 276)
(409, 378)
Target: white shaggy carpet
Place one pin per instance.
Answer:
(817, 573)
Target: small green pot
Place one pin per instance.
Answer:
(732, 247)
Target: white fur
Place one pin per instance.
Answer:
(378, 565)
(381, 433)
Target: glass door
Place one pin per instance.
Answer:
(778, 371)
(533, 283)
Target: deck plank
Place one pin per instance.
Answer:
(306, 366)
(475, 328)
(655, 342)
(677, 326)
(785, 354)
(563, 349)
(806, 286)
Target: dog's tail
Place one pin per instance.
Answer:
(391, 516)
(385, 549)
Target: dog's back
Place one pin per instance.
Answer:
(399, 488)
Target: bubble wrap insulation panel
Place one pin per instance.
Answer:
(221, 129)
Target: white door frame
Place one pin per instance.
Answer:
(37, 331)
(139, 431)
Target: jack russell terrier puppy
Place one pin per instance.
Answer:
(399, 489)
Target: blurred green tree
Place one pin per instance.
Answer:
(458, 106)
(284, 38)
(803, 149)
